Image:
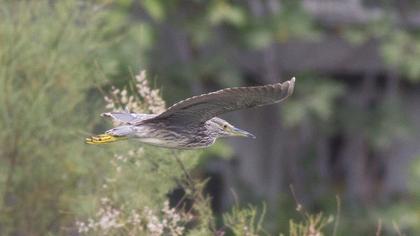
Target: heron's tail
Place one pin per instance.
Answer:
(103, 138)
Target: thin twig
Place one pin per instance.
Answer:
(196, 190)
(299, 207)
(188, 176)
(397, 228)
(183, 168)
(190, 183)
(337, 216)
(10, 174)
(235, 196)
(379, 228)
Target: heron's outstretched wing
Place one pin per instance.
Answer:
(204, 107)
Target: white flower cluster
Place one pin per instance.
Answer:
(171, 222)
(151, 96)
(119, 160)
(151, 100)
(108, 219)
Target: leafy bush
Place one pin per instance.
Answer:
(47, 55)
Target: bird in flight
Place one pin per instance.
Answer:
(193, 123)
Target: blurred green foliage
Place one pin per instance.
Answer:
(316, 101)
(46, 58)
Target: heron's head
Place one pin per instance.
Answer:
(222, 128)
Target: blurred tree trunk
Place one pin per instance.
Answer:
(261, 164)
(355, 151)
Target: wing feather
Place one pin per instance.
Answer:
(201, 108)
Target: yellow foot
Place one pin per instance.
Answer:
(102, 138)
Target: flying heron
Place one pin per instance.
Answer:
(193, 123)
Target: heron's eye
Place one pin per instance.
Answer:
(225, 126)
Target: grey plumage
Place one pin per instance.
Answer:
(192, 123)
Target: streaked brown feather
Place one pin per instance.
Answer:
(199, 109)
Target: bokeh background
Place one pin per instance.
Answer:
(347, 141)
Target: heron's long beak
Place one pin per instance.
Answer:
(241, 133)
